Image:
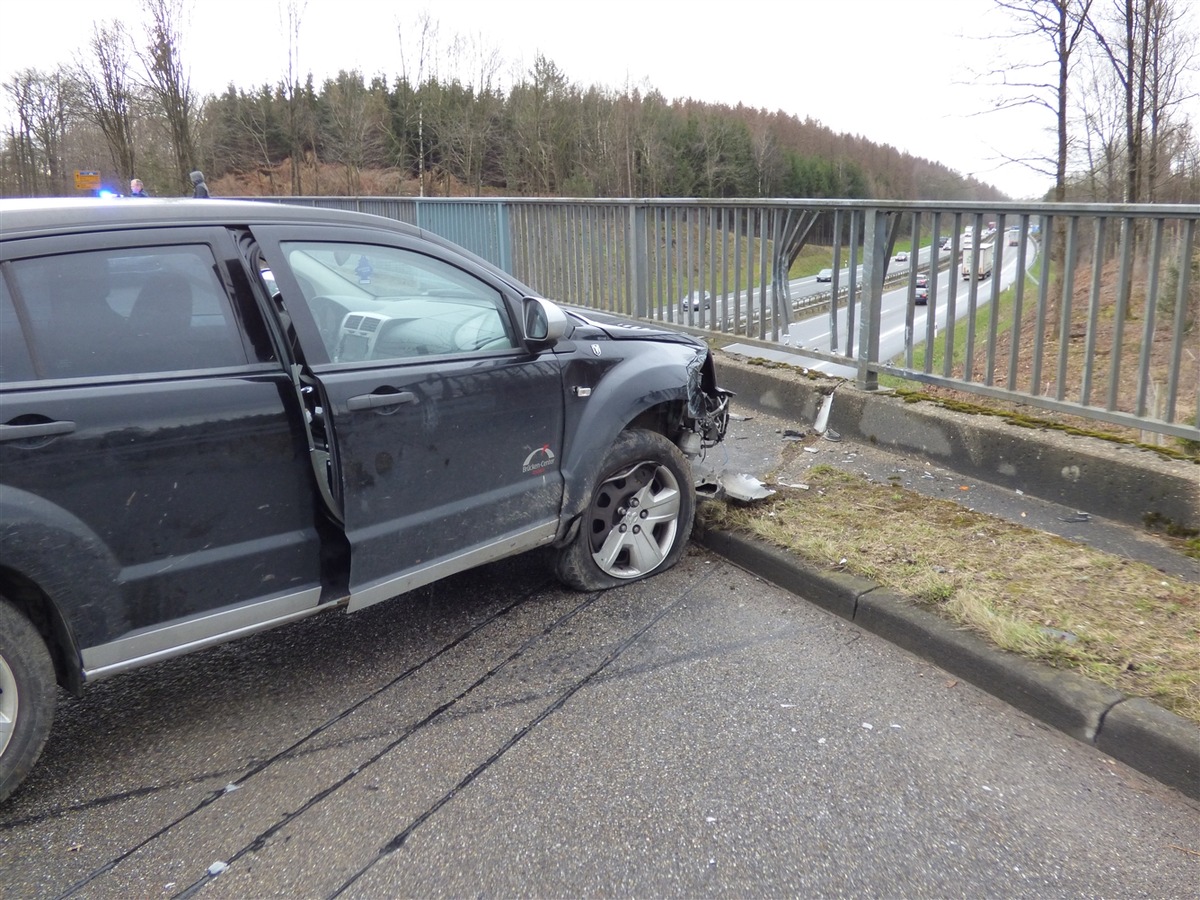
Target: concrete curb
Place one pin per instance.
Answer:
(1119, 482)
(1145, 737)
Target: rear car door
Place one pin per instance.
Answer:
(155, 432)
(446, 430)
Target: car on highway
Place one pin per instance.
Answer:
(922, 280)
(825, 275)
(696, 301)
(902, 256)
(921, 295)
(213, 425)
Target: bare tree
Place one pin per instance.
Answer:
(1103, 130)
(45, 106)
(1061, 24)
(424, 76)
(1171, 50)
(1125, 47)
(766, 153)
(1150, 44)
(291, 12)
(22, 139)
(109, 92)
(468, 117)
(167, 82)
(1134, 92)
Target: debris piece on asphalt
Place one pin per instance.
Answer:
(744, 487)
(822, 421)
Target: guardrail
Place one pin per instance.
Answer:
(1104, 324)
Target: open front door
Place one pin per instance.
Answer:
(446, 432)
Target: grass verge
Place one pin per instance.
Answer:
(1115, 621)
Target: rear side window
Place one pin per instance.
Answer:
(126, 312)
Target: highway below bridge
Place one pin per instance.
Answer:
(814, 330)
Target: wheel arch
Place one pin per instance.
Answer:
(58, 573)
(642, 391)
(36, 606)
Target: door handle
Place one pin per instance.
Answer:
(375, 401)
(37, 430)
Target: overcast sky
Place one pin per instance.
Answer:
(909, 73)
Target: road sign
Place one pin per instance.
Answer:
(87, 181)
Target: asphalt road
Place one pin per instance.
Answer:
(697, 734)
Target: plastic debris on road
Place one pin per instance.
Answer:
(1077, 517)
(745, 488)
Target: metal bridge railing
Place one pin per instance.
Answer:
(1086, 309)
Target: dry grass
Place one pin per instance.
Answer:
(1118, 622)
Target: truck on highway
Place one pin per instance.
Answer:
(980, 259)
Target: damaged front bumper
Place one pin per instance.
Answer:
(707, 407)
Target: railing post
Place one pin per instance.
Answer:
(874, 263)
(637, 286)
(504, 237)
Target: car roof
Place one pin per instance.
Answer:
(21, 217)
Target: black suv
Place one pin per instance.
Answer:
(218, 417)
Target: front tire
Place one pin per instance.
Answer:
(639, 518)
(27, 697)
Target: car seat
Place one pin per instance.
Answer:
(160, 324)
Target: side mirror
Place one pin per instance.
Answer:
(544, 322)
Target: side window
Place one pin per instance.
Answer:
(15, 364)
(382, 303)
(124, 312)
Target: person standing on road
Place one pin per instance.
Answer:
(200, 189)
(136, 189)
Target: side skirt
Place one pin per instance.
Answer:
(176, 639)
(510, 545)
